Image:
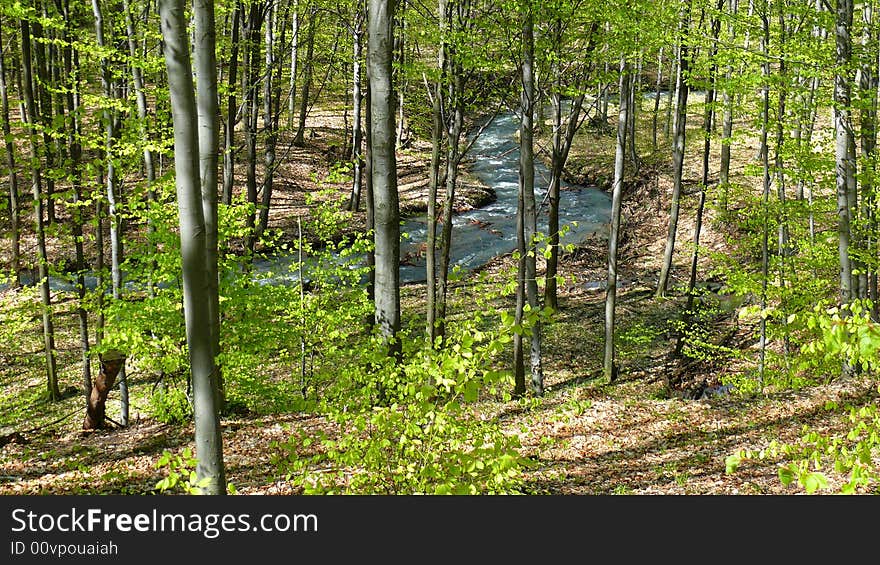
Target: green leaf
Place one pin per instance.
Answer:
(786, 476)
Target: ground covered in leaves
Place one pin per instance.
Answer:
(658, 429)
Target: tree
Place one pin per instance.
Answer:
(197, 288)
(27, 78)
(609, 365)
(678, 143)
(527, 218)
(383, 168)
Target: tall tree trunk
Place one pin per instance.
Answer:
(208, 108)
(678, 145)
(384, 172)
(610, 365)
(529, 208)
(113, 197)
(252, 34)
(656, 113)
(43, 107)
(14, 204)
(294, 47)
(727, 119)
(765, 201)
(72, 95)
(845, 167)
(708, 126)
(27, 78)
(269, 122)
(434, 182)
(232, 109)
(357, 108)
(308, 65)
(197, 287)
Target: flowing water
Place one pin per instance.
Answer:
(478, 235)
(484, 233)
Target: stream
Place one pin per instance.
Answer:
(481, 234)
(478, 235)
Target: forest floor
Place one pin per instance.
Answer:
(658, 429)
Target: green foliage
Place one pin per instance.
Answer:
(170, 406)
(422, 437)
(181, 474)
(808, 461)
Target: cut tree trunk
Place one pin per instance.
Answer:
(96, 414)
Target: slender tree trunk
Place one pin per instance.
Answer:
(357, 137)
(43, 107)
(75, 173)
(610, 365)
(294, 46)
(657, 99)
(727, 119)
(453, 159)
(845, 167)
(434, 182)
(14, 203)
(529, 208)
(52, 389)
(197, 286)
(370, 203)
(252, 33)
(232, 109)
(113, 196)
(399, 72)
(708, 126)
(308, 67)
(678, 146)
(384, 172)
(208, 109)
(765, 201)
(269, 122)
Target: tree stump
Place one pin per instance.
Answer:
(111, 363)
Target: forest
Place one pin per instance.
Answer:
(395, 247)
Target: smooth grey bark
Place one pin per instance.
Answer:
(72, 97)
(193, 242)
(609, 367)
(27, 79)
(357, 96)
(845, 169)
(14, 202)
(43, 107)
(208, 108)
(529, 207)
(270, 119)
(656, 113)
(308, 64)
(437, 106)
(386, 214)
(727, 119)
(294, 46)
(233, 112)
(253, 24)
(765, 200)
(679, 128)
(399, 76)
(140, 98)
(868, 85)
